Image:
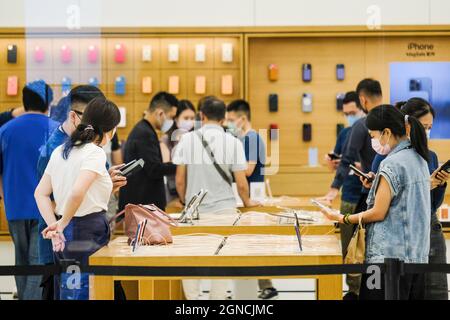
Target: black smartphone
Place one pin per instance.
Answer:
(307, 72)
(334, 156)
(273, 102)
(307, 132)
(11, 56)
(340, 71)
(132, 167)
(359, 173)
(445, 167)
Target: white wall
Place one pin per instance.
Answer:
(175, 13)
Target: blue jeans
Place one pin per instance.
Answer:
(25, 236)
(84, 236)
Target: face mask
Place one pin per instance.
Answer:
(351, 119)
(232, 128)
(428, 132)
(166, 124)
(380, 149)
(186, 125)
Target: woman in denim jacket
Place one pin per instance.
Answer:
(398, 215)
(436, 287)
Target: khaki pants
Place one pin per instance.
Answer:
(265, 284)
(353, 282)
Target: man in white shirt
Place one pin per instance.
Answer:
(211, 164)
(196, 169)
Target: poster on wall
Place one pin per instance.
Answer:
(427, 80)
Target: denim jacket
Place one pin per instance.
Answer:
(405, 231)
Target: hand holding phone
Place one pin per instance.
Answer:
(330, 213)
(132, 167)
(359, 173)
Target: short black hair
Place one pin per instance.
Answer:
(84, 94)
(240, 105)
(33, 101)
(163, 100)
(352, 96)
(213, 109)
(369, 87)
(202, 100)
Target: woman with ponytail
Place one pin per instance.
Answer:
(436, 286)
(81, 186)
(398, 215)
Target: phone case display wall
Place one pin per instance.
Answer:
(128, 70)
(297, 84)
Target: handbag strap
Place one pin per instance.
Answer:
(151, 208)
(117, 215)
(213, 159)
(360, 220)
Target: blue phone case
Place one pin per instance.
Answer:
(93, 82)
(119, 87)
(66, 85)
(340, 72)
(306, 72)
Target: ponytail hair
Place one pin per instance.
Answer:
(388, 117)
(100, 116)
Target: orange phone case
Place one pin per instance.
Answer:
(273, 72)
(174, 84)
(147, 85)
(227, 85)
(11, 88)
(200, 85)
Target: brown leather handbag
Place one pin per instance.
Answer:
(157, 230)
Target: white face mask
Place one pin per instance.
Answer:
(186, 125)
(379, 148)
(166, 124)
(428, 132)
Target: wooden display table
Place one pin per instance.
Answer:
(199, 251)
(268, 205)
(252, 222)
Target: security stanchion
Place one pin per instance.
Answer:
(393, 271)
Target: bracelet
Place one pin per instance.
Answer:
(346, 219)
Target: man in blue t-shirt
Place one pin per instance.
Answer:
(20, 140)
(239, 124)
(72, 108)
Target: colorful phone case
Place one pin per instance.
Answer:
(307, 103)
(92, 54)
(307, 132)
(273, 102)
(66, 54)
(273, 72)
(307, 72)
(120, 86)
(147, 53)
(12, 85)
(146, 85)
(174, 84)
(227, 85)
(119, 53)
(39, 54)
(200, 85)
(93, 81)
(340, 101)
(66, 85)
(340, 71)
(11, 56)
